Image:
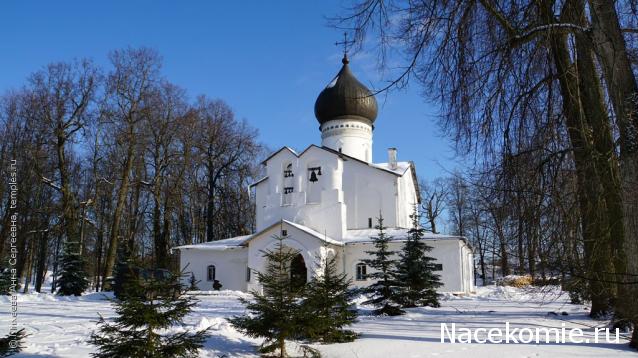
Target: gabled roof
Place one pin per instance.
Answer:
(303, 228)
(277, 152)
(307, 230)
(219, 245)
(258, 181)
(242, 241)
(402, 167)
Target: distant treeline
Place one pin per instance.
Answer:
(119, 156)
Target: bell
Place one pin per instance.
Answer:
(319, 171)
(313, 177)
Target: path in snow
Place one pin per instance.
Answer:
(60, 327)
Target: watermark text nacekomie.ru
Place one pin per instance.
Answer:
(524, 335)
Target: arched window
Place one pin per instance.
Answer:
(210, 273)
(361, 272)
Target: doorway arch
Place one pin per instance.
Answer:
(298, 271)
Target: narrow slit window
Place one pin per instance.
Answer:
(211, 273)
(361, 272)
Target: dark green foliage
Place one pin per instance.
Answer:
(415, 271)
(577, 289)
(5, 281)
(12, 343)
(150, 306)
(383, 293)
(274, 314)
(125, 272)
(192, 282)
(72, 279)
(326, 308)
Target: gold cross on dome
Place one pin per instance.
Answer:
(346, 44)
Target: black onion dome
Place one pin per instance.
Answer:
(345, 96)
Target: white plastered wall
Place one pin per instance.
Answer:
(230, 267)
(328, 214)
(456, 275)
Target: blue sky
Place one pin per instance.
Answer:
(269, 60)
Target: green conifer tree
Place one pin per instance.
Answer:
(151, 305)
(192, 283)
(72, 279)
(415, 270)
(275, 313)
(5, 281)
(383, 292)
(126, 271)
(327, 306)
(12, 343)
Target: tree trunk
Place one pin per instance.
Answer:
(519, 235)
(622, 89)
(99, 243)
(56, 262)
(210, 208)
(431, 217)
(69, 215)
(42, 259)
(134, 211)
(109, 262)
(605, 160)
(282, 348)
(505, 267)
(589, 194)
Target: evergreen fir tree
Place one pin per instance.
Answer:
(327, 306)
(192, 282)
(150, 306)
(383, 293)
(5, 281)
(275, 313)
(126, 271)
(72, 280)
(7, 348)
(415, 270)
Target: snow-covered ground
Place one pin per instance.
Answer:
(60, 326)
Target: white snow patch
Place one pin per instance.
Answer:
(61, 326)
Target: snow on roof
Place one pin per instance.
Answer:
(233, 242)
(258, 181)
(401, 168)
(276, 152)
(240, 241)
(351, 237)
(398, 234)
(314, 233)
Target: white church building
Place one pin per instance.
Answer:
(325, 200)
